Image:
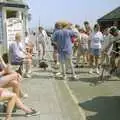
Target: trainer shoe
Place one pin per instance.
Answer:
(25, 96)
(58, 74)
(91, 71)
(27, 76)
(74, 77)
(97, 71)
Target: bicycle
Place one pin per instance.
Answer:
(105, 67)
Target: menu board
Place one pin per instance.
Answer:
(14, 25)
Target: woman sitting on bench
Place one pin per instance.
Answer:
(20, 55)
(8, 78)
(13, 100)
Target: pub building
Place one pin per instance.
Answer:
(110, 19)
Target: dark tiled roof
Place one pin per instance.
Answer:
(18, 5)
(113, 15)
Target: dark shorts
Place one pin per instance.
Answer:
(17, 61)
(95, 52)
(63, 56)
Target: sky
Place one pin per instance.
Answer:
(47, 12)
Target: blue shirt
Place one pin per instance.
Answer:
(63, 39)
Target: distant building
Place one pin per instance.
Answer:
(110, 19)
(14, 17)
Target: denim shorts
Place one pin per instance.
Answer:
(63, 56)
(95, 52)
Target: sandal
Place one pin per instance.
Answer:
(33, 113)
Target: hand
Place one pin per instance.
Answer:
(19, 77)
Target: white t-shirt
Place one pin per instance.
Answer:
(18, 49)
(42, 37)
(96, 40)
(107, 40)
(27, 40)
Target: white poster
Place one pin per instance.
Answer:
(14, 25)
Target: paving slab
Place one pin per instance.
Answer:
(101, 101)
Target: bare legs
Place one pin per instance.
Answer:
(96, 60)
(12, 80)
(12, 100)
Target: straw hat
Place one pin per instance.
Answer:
(63, 23)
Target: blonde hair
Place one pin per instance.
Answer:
(17, 36)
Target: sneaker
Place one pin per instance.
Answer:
(91, 71)
(33, 113)
(64, 77)
(27, 76)
(29, 72)
(74, 77)
(58, 74)
(25, 96)
(97, 71)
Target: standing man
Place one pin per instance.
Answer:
(96, 40)
(62, 37)
(55, 51)
(115, 54)
(41, 42)
(82, 47)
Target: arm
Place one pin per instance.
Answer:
(2, 62)
(89, 41)
(6, 68)
(2, 73)
(54, 39)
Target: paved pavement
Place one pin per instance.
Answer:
(49, 96)
(62, 100)
(100, 102)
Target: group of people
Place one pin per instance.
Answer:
(92, 44)
(20, 53)
(12, 79)
(68, 41)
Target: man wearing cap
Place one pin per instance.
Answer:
(62, 38)
(115, 61)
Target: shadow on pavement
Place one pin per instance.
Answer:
(42, 76)
(106, 108)
(94, 80)
(91, 80)
(43, 71)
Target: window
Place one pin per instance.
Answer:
(11, 14)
